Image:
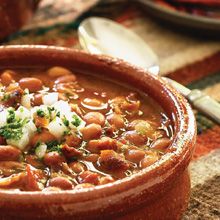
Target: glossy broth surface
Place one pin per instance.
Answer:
(61, 130)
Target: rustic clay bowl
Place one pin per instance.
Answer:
(160, 191)
(14, 14)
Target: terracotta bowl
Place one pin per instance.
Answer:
(160, 191)
(14, 14)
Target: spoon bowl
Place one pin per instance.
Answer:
(94, 41)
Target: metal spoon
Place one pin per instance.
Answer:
(103, 36)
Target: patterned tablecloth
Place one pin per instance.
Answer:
(194, 62)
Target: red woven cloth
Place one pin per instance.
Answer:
(191, 61)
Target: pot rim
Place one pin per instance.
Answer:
(182, 144)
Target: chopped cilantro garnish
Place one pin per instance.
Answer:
(50, 144)
(11, 133)
(11, 116)
(76, 121)
(40, 113)
(53, 146)
(66, 132)
(39, 130)
(50, 109)
(38, 144)
(6, 97)
(58, 114)
(66, 122)
(13, 130)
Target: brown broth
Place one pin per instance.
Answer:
(124, 131)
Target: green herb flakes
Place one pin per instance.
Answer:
(40, 113)
(76, 121)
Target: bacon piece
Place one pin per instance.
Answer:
(112, 161)
(105, 143)
(73, 140)
(70, 152)
(89, 177)
(53, 159)
(31, 179)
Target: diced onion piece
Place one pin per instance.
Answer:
(70, 118)
(23, 113)
(40, 151)
(22, 142)
(3, 118)
(43, 108)
(26, 101)
(82, 124)
(62, 107)
(56, 127)
(31, 128)
(50, 98)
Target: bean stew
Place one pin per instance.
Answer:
(65, 131)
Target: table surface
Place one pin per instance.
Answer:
(191, 60)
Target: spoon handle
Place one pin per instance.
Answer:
(205, 104)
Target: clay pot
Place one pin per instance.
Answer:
(161, 191)
(14, 14)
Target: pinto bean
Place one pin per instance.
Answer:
(145, 128)
(77, 167)
(112, 161)
(91, 131)
(61, 182)
(94, 117)
(65, 79)
(44, 137)
(37, 100)
(7, 78)
(105, 180)
(134, 156)
(116, 120)
(8, 152)
(58, 71)
(73, 140)
(89, 177)
(134, 138)
(31, 83)
(53, 159)
(161, 143)
(151, 158)
(105, 143)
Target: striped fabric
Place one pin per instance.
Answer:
(191, 61)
